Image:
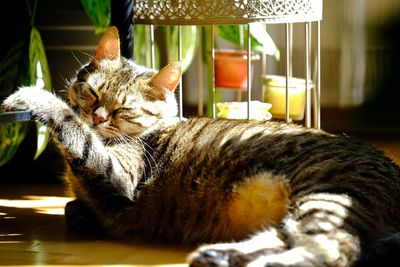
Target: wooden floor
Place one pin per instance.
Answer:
(33, 231)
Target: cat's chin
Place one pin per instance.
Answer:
(104, 135)
(115, 136)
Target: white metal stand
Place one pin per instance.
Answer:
(247, 12)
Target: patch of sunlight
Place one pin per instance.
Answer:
(151, 265)
(41, 204)
(8, 235)
(172, 265)
(108, 265)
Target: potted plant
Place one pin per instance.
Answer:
(234, 76)
(231, 64)
(25, 63)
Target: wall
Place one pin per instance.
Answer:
(68, 35)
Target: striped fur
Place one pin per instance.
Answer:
(286, 195)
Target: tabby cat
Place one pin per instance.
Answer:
(273, 194)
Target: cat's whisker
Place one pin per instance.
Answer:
(80, 83)
(87, 54)
(123, 138)
(63, 93)
(76, 58)
(149, 155)
(146, 159)
(147, 163)
(147, 145)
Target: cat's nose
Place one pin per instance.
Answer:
(97, 119)
(99, 116)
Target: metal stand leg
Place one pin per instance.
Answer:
(180, 82)
(213, 71)
(307, 62)
(318, 83)
(263, 69)
(200, 110)
(287, 102)
(248, 70)
(152, 54)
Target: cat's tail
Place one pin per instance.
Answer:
(384, 253)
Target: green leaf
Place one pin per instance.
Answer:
(14, 72)
(264, 41)
(206, 56)
(39, 76)
(43, 136)
(38, 66)
(141, 49)
(11, 136)
(142, 53)
(261, 41)
(99, 12)
(189, 44)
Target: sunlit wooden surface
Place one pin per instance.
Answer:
(33, 232)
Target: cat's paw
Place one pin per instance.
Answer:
(22, 99)
(239, 253)
(222, 258)
(42, 104)
(260, 258)
(230, 254)
(80, 218)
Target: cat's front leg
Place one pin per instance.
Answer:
(108, 186)
(43, 105)
(75, 137)
(79, 217)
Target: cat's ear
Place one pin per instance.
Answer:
(108, 47)
(166, 79)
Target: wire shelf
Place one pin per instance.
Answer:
(206, 12)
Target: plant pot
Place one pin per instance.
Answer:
(275, 93)
(231, 68)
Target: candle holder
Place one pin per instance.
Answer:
(275, 93)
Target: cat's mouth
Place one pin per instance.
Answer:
(107, 132)
(114, 134)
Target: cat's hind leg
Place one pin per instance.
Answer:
(314, 235)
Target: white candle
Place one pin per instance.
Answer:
(275, 93)
(238, 110)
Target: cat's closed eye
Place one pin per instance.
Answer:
(126, 113)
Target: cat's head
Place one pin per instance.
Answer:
(117, 97)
